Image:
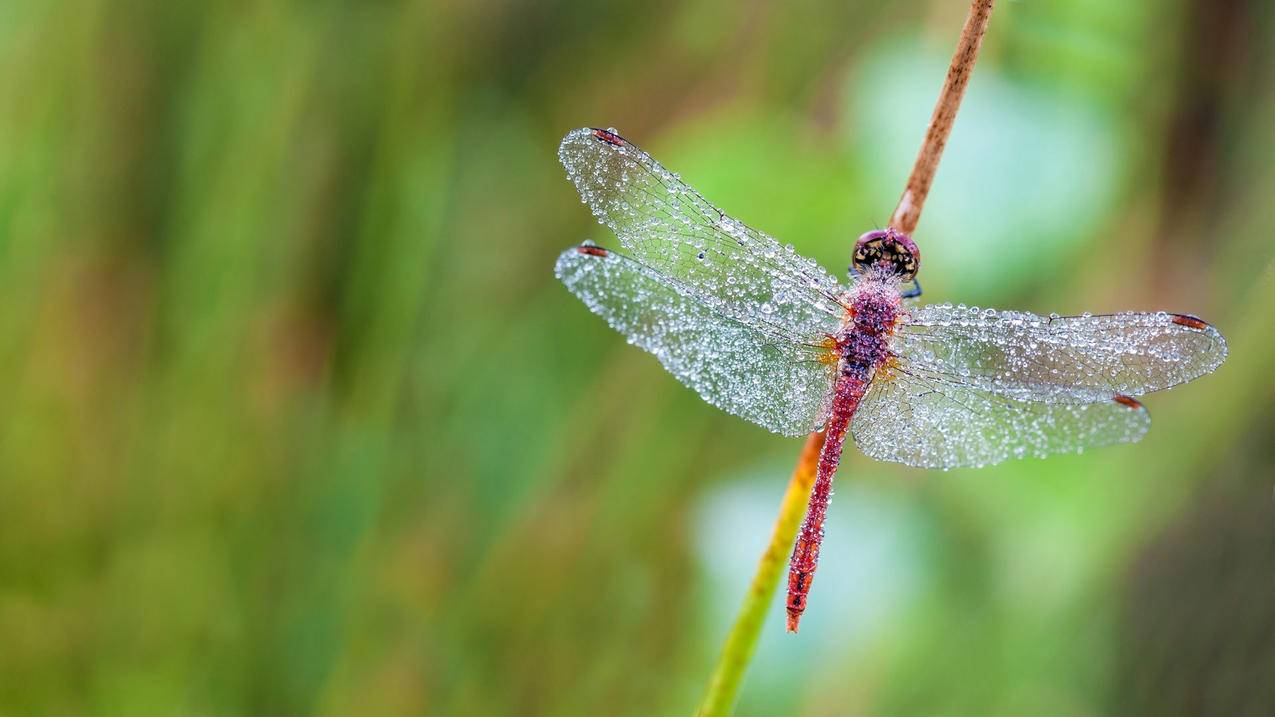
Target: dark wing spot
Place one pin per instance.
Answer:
(1189, 321)
(608, 137)
(1129, 401)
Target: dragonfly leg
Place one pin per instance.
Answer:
(912, 291)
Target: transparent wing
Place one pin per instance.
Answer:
(1060, 358)
(765, 374)
(927, 420)
(669, 227)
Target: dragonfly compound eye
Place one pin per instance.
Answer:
(887, 249)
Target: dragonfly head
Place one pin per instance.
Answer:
(886, 250)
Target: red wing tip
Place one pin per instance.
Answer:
(1191, 322)
(1129, 401)
(591, 250)
(608, 137)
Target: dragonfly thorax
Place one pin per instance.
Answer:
(874, 306)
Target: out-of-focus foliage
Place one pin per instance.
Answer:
(295, 419)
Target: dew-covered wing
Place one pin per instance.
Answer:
(923, 419)
(667, 226)
(1061, 358)
(761, 372)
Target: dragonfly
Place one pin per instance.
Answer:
(768, 335)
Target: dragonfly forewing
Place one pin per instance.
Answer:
(1077, 359)
(669, 227)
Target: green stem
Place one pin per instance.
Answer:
(742, 640)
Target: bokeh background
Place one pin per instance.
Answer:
(295, 419)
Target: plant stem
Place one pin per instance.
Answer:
(908, 212)
(741, 643)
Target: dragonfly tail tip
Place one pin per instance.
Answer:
(793, 619)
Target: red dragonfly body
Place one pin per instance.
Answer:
(862, 349)
(768, 335)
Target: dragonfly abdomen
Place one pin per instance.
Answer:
(847, 392)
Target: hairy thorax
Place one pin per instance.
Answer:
(874, 310)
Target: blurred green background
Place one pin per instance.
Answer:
(297, 421)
